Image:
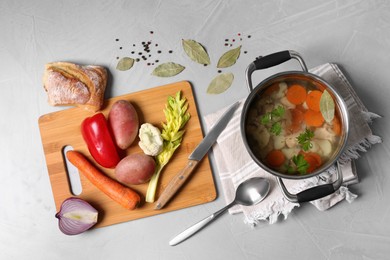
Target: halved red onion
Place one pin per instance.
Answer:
(76, 216)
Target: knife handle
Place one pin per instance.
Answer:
(174, 185)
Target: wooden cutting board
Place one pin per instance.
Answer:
(61, 129)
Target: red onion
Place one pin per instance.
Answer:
(76, 216)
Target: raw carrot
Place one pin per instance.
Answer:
(313, 100)
(275, 158)
(313, 118)
(336, 126)
(296, 94)
(123, 195)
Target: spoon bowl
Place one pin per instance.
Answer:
(252, 191)
(248, 193)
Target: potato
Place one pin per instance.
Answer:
(279, 142)
(124, 123)
(290, 152)
(135, 169)
(326, 147)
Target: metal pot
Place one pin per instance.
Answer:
(304, 76)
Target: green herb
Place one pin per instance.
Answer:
(220, 83)
(266, 119)
(229, 58)
(125, 64)
(278, 112)
(290, 169)
(176, 116)
(327, 106)
(276, 128)
(301, 164)
(305, 138)
(196, 51)
(168, 69)
(272, 117)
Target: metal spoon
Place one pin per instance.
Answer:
(249, 192)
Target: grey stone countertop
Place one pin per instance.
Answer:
(354, 34)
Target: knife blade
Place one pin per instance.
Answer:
(195, 157)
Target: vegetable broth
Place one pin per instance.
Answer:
(293, 126)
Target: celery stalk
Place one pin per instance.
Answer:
(176, 116)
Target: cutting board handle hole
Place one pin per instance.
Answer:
(72, 173)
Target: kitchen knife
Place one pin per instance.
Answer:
(200, 151)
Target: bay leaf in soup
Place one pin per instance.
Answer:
(125, 63)
(196, 51)
(229, 58)
(167, 69)
(327, 106)
(220, 83)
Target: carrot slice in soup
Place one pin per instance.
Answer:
(275, 158)
(336, 125)
(316, 156)
(313, 118)
(296, 94)
(314, 161)
(313, 100)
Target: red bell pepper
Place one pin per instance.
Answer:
(99, 141)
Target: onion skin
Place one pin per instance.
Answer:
(76, 216)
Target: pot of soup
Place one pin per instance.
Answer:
(294, 125)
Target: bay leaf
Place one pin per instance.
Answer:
(167, 69)
(220, 83)
(125, 64)
(196, 51)
(229, 58)
(327, 106)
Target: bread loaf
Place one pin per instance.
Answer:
(69, 84)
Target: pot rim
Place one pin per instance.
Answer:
(343, 114)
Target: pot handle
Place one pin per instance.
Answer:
(314, 192)
(270, 61)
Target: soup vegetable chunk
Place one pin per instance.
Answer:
(293, 127)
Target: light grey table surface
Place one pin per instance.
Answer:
(353, 34)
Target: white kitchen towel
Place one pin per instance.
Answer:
(235, 165)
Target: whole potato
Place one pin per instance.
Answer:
(135, 169)
(124, 123)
